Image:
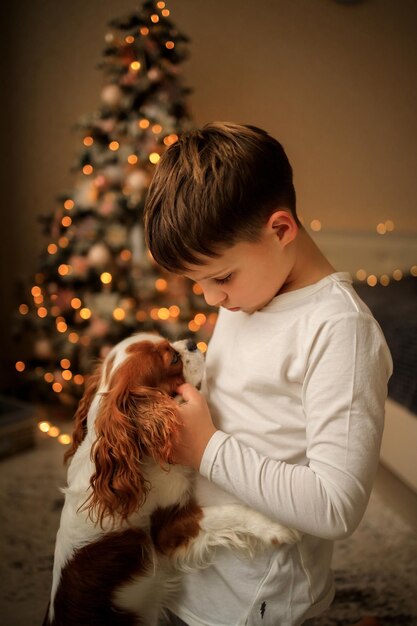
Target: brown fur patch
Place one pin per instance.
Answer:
(174, 526)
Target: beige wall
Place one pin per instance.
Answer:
(335, 83)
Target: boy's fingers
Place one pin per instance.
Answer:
(187, 391)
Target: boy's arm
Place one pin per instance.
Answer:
(343, 400)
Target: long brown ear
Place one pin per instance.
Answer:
(130, 425)
(80, 417)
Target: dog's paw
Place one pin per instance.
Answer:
(281, 534)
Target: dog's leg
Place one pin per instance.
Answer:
(235, 527)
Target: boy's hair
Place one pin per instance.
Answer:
(215, 187)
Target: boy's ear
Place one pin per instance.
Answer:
(283, 225)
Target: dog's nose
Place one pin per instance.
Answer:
(191, 345)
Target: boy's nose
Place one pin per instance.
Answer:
(214, 297)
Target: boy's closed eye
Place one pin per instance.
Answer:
(222, 281)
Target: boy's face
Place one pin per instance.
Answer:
(247, 275)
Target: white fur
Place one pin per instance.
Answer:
(232, 526)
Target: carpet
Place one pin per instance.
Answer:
(375, 569)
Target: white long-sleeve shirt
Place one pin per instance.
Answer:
(297, 391)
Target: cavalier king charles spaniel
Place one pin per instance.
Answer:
(130, 524)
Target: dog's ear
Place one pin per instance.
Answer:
(80, 417)
(131, 424)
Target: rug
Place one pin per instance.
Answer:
(375, 569)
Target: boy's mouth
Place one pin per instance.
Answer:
(235, 308)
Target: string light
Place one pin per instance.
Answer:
(154, 158)
(106, 278)
(161, 284)
(23, 309)
(132, 159)
(156, 129)
(66, 374)
(42, 312)
(65, 363)
(119, 314)
(174, 311)
(62, 327)
(202, 346)
(170, 45)
(76, 303)
(144, 123)
(73, 337)
(129, 39)
(135, 66)
(165, 12)
(66, 221)
(63, 242)
(141, 316)
(125, 255)
(20, 366)
(52, 248)
(85, 313)
(78, 379)
(315, 225)
(88, 170)
(144, 31)
(163, 313)
(36, 291)
(160, 5)
(88, 141)
(200, 319)
(114, 146)
(155, 18)
(49, 377)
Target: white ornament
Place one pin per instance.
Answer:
(111, 95)
(99, 255)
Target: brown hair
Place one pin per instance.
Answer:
(214, 187)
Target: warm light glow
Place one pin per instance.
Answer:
(44, 427)
(200, 319)
(156, 129)
(174, 310)
(170, 139)
(397, 274)
(381, 229)
(193, 326)
(88, 141)
(87, 170)
(144, 31)
(125, 255)
(63, 270)
(36, 291)
(54, 430)
(52, 248)
(163, 313)
(106, 278)
(57, 387)
(64, 439)
(42, 311)
(161, 284)
(361, 275)
(38, 299)
(63, 242)
(69, 204)
(114, 145)
(144, 123)
(78, 379)
(160, 5)
(170, 45)
(61, 327)
(49, 377)
(202, 346)
(119, 314)
(85, 313)
(155, 18)
(135, 66)
(66, 221)
(315, 225)
(132, 159)
(66, 375)
(154, 314)
(73, 337)
(165, 12)
(413, 271)
(75, 303)
(20, 366)
(389, 225)
(154, 157)
(372, 280)
(129, 39)
(23, 309)
(141, 316)
(384, 280)
(55, 310)
(65, 363)
(197, 289)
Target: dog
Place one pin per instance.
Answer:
(130, 524)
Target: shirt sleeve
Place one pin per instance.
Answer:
(343, 398)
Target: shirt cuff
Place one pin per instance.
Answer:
(210, 453)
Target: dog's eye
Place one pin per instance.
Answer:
(175, 358)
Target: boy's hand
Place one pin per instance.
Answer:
(196, 430)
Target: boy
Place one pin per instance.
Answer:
(297, 373)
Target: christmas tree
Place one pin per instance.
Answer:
(96, 282)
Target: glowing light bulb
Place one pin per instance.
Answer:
(63, 270)
(163, 313)
(135, 66)
(197, 289)
(65, 363)
(119, 314)
(88, 141)
(160, 5)
(413, 270)
(23, 309)
(156, 129)
(397, 274)
(315, 225)
(161, 284)
(165, 12)
(202, 346)
(44, 426)
(144, 31)
(193, 326)
(154, 158)
(75, 303)
(85, 313)
(61, 327)
(20, 366)
(66, 374)
(372, 280)
(155, 18)
(64, 439)
(129, 39)
(361, 274)
(78, 379)
(69, 204)
(125, 255)
(66, 221)
(384, 280)
(36, 291)
(52, 248)
(49, 377)
(132, 159)
(106, 278)
(57, 387)
(54, 430)
(170, 45)
(174, 311)
(73, 337)
(42, 312)
(88, 170)
(144, 123)
(200, 319)
(381, 229)
(114, 146)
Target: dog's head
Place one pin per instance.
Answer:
(129, 402)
